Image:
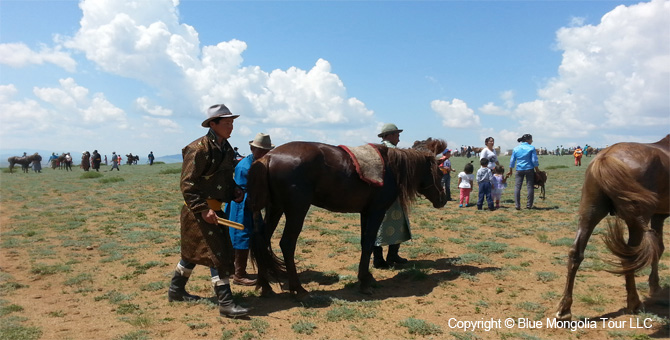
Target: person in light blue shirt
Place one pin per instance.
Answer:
(524, 158)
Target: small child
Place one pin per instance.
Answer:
(465, 181)
(484, 179)
(499, 184)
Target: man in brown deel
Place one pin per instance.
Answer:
(206, 182)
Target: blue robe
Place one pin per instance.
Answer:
(238, 212)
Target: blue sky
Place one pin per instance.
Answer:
(137, 76)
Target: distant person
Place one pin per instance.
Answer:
(151, 158)
(524, 158)
(499, 184)
(395, 227)
(37, 163)
(106, 160)
(96, 160)
(485, 182)
(465, 183)
(240, 212)
(237, 153)
(53, 159)
(206, 182)
(115, 161)
(68, 162)
(490, 153)
(578, 156)
(86, 160)
(446, 168)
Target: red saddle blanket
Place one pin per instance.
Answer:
(368, 161)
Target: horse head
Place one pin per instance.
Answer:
(430, 184)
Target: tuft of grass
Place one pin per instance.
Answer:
(89, 175)
(170, 171)
(420, 327)
(489, 247)
(303, 327)
(108, 180)
(546, 276)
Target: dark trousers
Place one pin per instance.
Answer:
(485, 192)
(529, 175)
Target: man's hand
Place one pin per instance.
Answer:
(239, 195)
(209, 216)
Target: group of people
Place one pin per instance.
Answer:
(214, 188)
(491, 179)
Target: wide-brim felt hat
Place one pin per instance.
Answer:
(262, 141)
(388, 129)
(217, 111)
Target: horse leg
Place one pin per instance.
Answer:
(633, 303)
(657, 225)
(272, 217)
(369, 227)
(587, 222)
(288, 242)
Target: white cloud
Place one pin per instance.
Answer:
(144, 40)
(75, 106)
(161, 125)
(20, 55)
(153, 110)
(455, 114)
(610, 72)
(23, 116)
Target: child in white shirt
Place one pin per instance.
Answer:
(465, 180)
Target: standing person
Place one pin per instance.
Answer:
(524, 157)
(37, 163)
(85, 160)
(578, 156)
(490, 153)
(395, 227)
(499, 184)
(115, 161)
(484, 180)
(52, 159)
(206, 182)
(465, 182)
(240, 213)
(445, 166)
(96, 160)
(68, 162)
(151, 158)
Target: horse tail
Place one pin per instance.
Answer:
(270, 267)
(631, 201)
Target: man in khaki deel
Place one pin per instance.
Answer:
(206, 182)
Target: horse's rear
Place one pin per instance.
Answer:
(630, 181)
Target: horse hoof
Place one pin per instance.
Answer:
(267, 292)
(301, 295)
(564, 317)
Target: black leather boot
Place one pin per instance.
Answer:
(227, 306)
(393, 257)
(177, 290)
(378, 258)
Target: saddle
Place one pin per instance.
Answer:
(368, 161)
(540, 181)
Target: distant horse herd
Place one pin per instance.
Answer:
(60, 162)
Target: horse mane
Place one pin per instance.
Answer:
(434, 146)
(402, 163)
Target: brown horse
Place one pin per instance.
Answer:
(294, 176)
(630, 181)
(24, 161)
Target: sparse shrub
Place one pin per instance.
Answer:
(420, 327)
